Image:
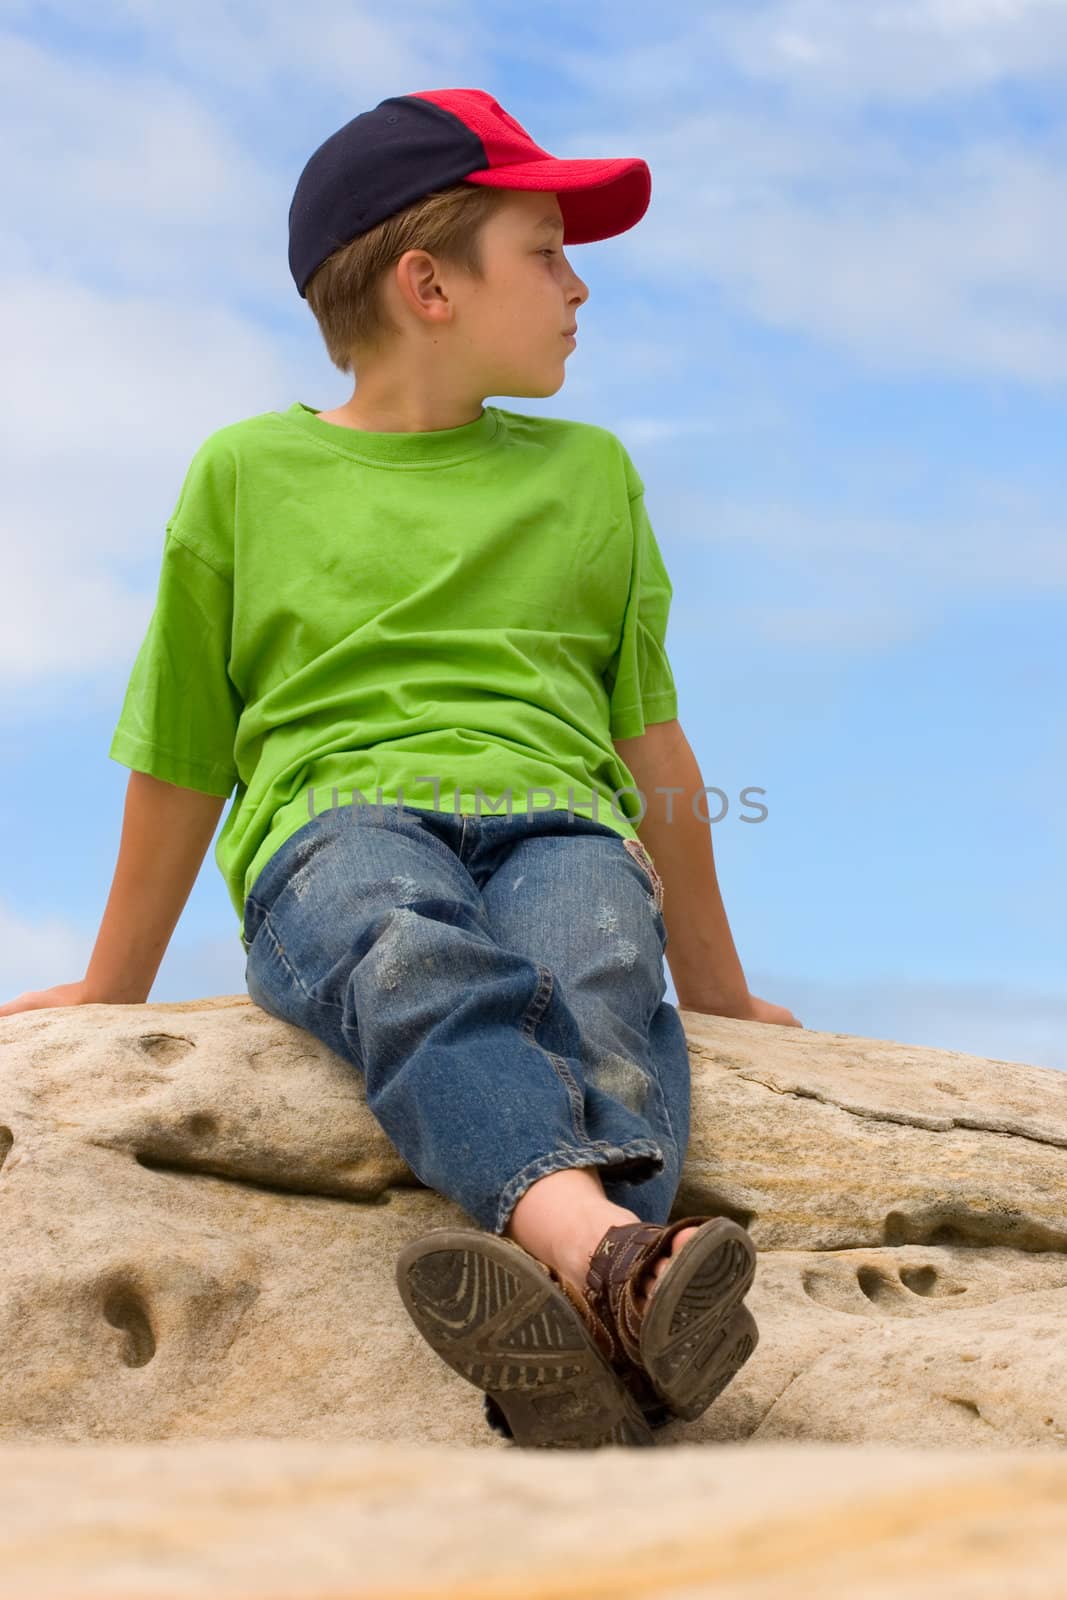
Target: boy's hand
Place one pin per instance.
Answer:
(64, 994)
(752, 1009)
(763, 1011)
(165, 833)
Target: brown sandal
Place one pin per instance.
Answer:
(507, 1323)
(693, 1335)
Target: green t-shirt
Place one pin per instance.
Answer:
(402, 617)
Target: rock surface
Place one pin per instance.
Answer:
(267, 1520)
(200, 1219)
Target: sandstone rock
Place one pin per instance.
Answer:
(333, 1521)
(200, 1219)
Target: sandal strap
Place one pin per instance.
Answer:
(616, 1264)
(601, 1335)
(607, 1307)
(613, 1269)
(634, 1377)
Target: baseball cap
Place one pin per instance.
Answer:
(410, 145)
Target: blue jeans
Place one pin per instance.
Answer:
(498, 983)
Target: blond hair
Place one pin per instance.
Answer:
(344, 293)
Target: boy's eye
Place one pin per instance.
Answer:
(548, 252)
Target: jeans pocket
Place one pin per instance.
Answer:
(637, 851)
(644, 860)
(254, 917)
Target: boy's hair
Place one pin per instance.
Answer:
(344, 293)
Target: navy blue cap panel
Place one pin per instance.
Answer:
(376, 165)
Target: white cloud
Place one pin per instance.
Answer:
(655, 430)
(833, 210)
(1002, 1021)
(263, 47)
(40, 953)
(970, 546)
(128, 213)
(840, 582)
(906, 50)
(128, 180)
(105, 403)
(867, 628)
(948, 260)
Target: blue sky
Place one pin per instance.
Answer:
(835, 346)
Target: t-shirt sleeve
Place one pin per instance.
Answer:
(179, 717)
(639, 678)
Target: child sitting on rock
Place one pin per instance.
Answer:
(458, 611)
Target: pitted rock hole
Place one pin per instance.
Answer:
(7, 1139)
(883, 1288)
(201, 1125)
(963, 1229)
(888, 1292)
(967, 1405)
(165, 1048)
(875, 1285)
(928, 1281)
(125, 1309)
(181, 1165)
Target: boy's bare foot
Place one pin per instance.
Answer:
(562, 1218)
(648, 1282)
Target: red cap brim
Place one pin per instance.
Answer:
(597, 199)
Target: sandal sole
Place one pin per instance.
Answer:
(492, 1313)
(695, 1334)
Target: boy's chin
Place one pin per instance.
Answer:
(536, 388)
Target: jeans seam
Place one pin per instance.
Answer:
(315, 999)
(664, 1107)
(527, 1027)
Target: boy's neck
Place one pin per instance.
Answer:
(347, 416)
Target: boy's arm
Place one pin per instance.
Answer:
(700, 948)
(704, 963)
(166, 831)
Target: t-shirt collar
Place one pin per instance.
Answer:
(438, 447)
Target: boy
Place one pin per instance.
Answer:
(418, 597)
